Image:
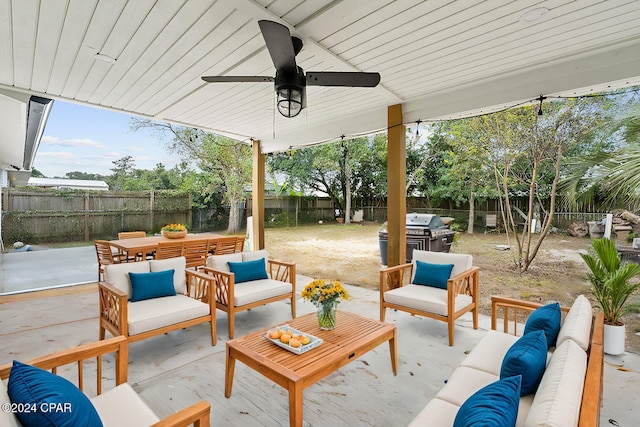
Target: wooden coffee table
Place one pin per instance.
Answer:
(353, 336)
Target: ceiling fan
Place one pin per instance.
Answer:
(290, 80)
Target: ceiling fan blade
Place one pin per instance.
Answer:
(279, 43)
(336, 78)
(237, 79)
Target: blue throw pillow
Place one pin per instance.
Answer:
(249, 270)
(546, 318)
(435, 275)
(54, 400)
(495, 405)
(152, 285)
(526, 357)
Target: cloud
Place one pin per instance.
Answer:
(57, 154)
(72, 142)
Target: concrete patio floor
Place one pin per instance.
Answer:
(175, 370)
(178, 369)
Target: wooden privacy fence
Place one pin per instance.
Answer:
(57, 216)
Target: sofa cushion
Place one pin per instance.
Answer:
(487, 355)
(557, 401)
(248, 270)
(7, 418)
(256, 290)
(179, 265)
(425, 298)
(34, 386)
(546, 318)
(437, 413)
(436, 275)
(577, 323)
(461, 262)
(528, 358)
(494, 405)
(118, 274)
(110, 404)
(221, 262)
(156, 313)
(463, 382)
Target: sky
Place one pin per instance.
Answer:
(88, 139)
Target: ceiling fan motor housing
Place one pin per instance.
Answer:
(290, 87)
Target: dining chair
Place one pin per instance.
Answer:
(105, 256)
(131, 235)
(166, 250)
(196, 252)
(225, 245)
(240, 244)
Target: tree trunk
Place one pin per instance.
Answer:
(471, 211)
(234, 217)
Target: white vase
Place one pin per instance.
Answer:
(614, 336)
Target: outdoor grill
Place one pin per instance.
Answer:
(425, 232)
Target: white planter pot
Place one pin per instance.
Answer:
(614, 339)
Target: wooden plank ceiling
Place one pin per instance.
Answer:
(439, 58)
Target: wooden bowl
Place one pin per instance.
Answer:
(174, 234)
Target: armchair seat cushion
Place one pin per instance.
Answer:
(156, 313)
(425, 298)
(256, 290)
(110, 405)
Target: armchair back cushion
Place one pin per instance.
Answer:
(179, 266)
(34, 386)
(221, 262)
(461, 262)
(253, 255)
(118, 274)
(150, 285)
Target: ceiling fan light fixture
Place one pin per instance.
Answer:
(289, 101)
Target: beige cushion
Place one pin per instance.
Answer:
(577, 323)
(487, 355)
(7, 419)
(461, 262)
(437, 413)
(220, 262)
(122, 407)
(463, 383)
(256, 290)
(253, 255)
(425, 298)
(178, 264)
(557, 401)
(156, 313)
(118, 274)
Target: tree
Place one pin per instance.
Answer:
(122, 170)
(225, 165)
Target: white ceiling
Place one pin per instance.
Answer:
(438, 58)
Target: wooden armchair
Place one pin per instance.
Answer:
(191, 304)
(232, 297)
(119, 406)
(460, 294)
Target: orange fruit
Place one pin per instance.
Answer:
(294, 343)
(305, 340)
(285, 338)
(274, 334)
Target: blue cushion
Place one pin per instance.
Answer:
(249, 270)
(435, 275)
(495, 405)
(546, 318)
(526, 357)
(152, 285)
(54, 400)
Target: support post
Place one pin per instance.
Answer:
(396, 183)
(257, 197)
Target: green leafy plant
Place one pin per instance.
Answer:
(613, 280)
(631, 236)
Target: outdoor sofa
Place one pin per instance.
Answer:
(567, 394)
(147, 298)
(43, 398)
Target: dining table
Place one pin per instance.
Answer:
(147, 245)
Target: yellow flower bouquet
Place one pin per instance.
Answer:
(174, 227)
(325, 296)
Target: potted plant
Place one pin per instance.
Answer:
(325, 296)
(174, 231)
(614, 281)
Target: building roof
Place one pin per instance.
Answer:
(75, 184)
